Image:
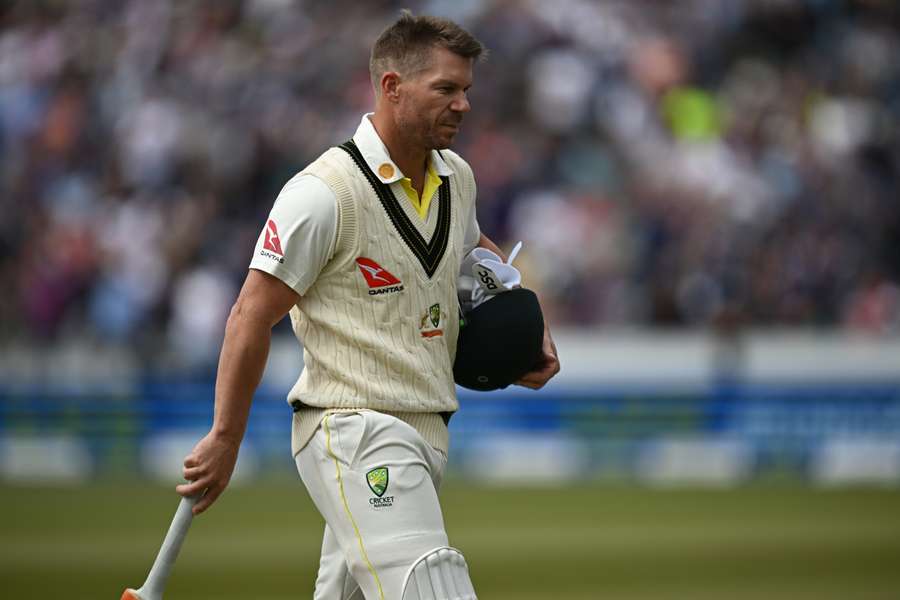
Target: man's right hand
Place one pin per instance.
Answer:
(264, 300)
(209, 467)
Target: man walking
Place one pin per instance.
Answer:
(363, 249)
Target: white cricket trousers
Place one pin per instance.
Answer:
(375, 481)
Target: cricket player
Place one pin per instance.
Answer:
(363, 249)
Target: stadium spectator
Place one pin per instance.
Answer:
(695, 158)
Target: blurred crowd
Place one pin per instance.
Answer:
(702, 163)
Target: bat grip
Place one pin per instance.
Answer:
(165, 559)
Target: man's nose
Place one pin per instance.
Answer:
(461, 103)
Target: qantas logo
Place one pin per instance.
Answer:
(380, 280)
(273, 242)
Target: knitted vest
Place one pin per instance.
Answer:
(380, 324)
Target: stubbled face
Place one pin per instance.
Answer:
(431, 103)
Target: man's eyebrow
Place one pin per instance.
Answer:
(441, 82)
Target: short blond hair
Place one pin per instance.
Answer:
(406, 45)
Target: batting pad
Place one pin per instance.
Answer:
(442, 574)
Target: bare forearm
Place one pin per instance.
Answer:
(241, 365)
(263, 301)
(486, 242)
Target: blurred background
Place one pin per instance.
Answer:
(707, 191)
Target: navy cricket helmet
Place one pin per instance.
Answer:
(499, 341)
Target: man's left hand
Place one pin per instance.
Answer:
(546, 368)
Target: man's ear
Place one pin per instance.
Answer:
(390, 83)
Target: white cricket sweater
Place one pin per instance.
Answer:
(379, 326)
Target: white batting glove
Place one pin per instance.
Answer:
(489, 276)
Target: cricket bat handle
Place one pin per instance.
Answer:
(159, 573)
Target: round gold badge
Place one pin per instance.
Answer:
(386, 170)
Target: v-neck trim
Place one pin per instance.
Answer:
(429, 253)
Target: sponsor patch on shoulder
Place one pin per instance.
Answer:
(272, 243)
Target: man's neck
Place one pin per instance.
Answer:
(413, 161)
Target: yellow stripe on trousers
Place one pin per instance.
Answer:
(362, 548)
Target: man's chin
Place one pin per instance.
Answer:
(442, 142)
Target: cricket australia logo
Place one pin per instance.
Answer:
(377, 479)
(429, 326)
